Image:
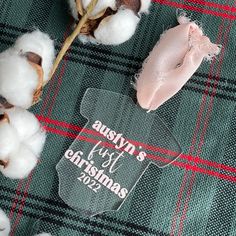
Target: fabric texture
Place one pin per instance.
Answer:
(196, 195)
(108, 111)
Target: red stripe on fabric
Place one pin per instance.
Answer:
(20, 211)
(213, 4)
(197, 9)
(178, 204)
(58, 86)
(95, 141)
(205, 171)
(214, 164)
(47, 98)
(204, 98)
(170, 152)
(15, 200)
(62, 72)
(54, 79)
(92, 132)
(206, 123)
(59, 123)
(198, 124)
(156, 0)
(194, 139)
(183, 217)
(176, 163)
(42, 110)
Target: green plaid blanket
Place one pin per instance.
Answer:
(196, 195)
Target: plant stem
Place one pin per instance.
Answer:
(71, 38)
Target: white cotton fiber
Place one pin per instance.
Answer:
(18, 79)
(41, 44)
(23, 121)
(118, 28)
(28, 129)
(145, 5)
(101, 5)
(20, 164)
(4, 224)
(21, 142)
(73, 9)
(9, 141)
(36, 142)
(87, 39)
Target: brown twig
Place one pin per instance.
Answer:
(79, 7)
(72, 37)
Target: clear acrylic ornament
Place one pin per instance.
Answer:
(111, 153)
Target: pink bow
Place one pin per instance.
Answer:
(172, 62)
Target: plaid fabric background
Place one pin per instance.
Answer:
(196, 195)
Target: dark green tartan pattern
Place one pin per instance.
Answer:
(150, 209)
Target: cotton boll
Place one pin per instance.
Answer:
(145, 5)
(9, 140)
(28, 129)
(18, 79)
(41, 44)
(36, 142)
(4, 224)
(118, 28)
(20, 164)
(24, 122)
(87, 39)
(73, 9)
(100, 6)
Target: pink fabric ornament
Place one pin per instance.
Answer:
(172, 62)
